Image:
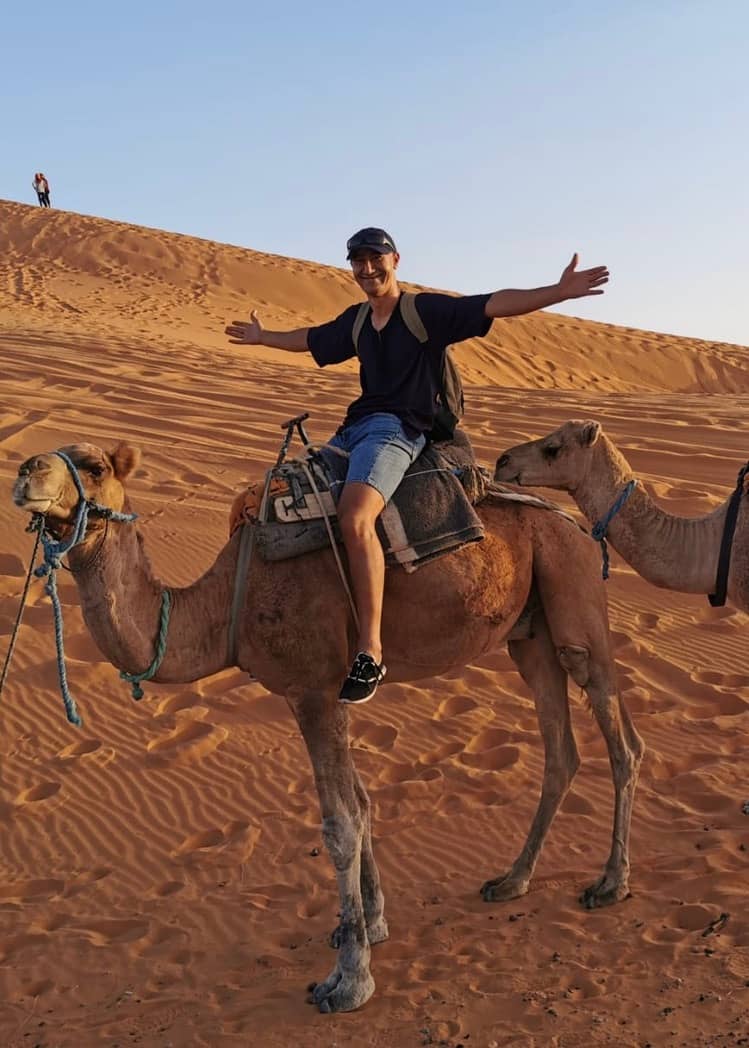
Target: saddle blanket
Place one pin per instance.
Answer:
(429, 515)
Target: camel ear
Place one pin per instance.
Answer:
(589, 433)
(124, 459)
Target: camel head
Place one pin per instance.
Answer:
(558, 460)
(45, 484)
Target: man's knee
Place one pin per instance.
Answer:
(358, 511)
(357, 526)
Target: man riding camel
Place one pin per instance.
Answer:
(384, 429)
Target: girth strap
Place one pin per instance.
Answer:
(718, 599)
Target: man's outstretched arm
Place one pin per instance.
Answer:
(252, 333)
(573, 283)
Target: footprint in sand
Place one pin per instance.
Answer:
(454, 706)
(177, 703)
(441, 753)
(86, 879)
(37, 988)
(238, 837)
(40, 890)
(108, 932)
(726, 704)
(489, 751)
(378, 737)
(721, 680)
(496, 759)
(79, 749)
(488, 739)
(575, 804)
(12, 566)
(692, 917)
(396, 773)
(647, 620)
(163, 891)
(190, 740)
(311, 906)
(41, 792)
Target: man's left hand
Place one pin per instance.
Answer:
(575, 283)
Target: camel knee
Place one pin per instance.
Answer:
(634, 740)
(342, 835)
(562, 759)
(575, 660)
(635, 745)
(573, 761)
(558, 779)
(563, 767)
(363, 798)
(635, 753)
(625, 746)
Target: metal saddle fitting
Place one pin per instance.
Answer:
(299, 504)
(293, 423)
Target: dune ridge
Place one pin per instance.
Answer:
(162, 875)
(97, 276)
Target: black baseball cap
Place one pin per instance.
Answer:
(371, 239)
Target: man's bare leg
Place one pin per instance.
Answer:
(358, 508)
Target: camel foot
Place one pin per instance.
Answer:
(605, 892)
(378, 931)
(343, 991)
(500, 889)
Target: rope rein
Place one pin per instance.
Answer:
(333, 543)
(601, 526)
(135, 678)
(19, 616)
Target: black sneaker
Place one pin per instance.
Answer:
(363, 678)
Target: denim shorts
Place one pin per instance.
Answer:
(379, 453)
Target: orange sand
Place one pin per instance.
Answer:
(159, 879)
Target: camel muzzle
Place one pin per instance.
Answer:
(502, 469)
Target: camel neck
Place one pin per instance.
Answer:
(673, 552)
(121, 603)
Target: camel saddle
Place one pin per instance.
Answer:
(431, 513)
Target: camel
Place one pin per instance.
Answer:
(295, 635)
(677, 553)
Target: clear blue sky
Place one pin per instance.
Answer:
(491, 138)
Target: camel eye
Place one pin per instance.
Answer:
(96, 470)
(552, 450)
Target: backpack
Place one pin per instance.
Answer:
(450, 400)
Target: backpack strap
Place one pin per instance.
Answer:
(359, 321)
(411, 317)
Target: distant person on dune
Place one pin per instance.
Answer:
(384, 429)
(41, 185)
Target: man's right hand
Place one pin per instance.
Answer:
(244, 333)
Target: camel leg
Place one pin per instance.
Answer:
(537, 661)
(596, 676)
(578, 622)
(324, 725)
(373, 900)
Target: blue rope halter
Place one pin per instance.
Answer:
(601, 527)
(54, 551)
(136, 678)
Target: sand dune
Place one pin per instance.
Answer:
(162, 876)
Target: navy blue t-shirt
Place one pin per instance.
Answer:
(398, 373)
